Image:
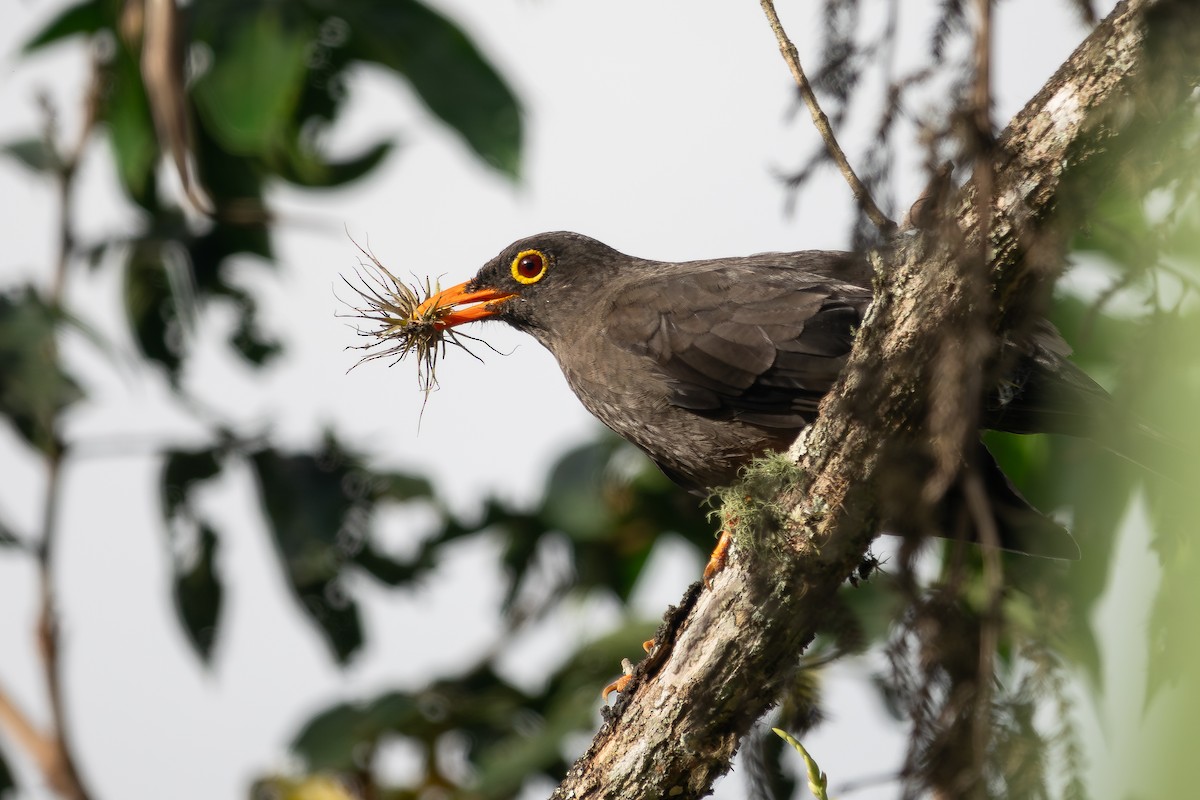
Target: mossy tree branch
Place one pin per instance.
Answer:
(725, 653)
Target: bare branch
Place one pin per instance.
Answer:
(984, 180)
(67, 166)
(162, 73)
(38, 747)
(52, 752)
(861, 194)
(64, 774)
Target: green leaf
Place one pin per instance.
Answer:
(167, 287)
(1023, 458)
(480, 705)
(249, 95)
(818, 781)
(315, 532)
(572, 501)
(151, 308)
(631, 504)
(387, 570)
(249, 342)
(445, 68)
(308, 169)
(400, 487)
(330, 66)
(626, 503)
(34, 389)
(337, 738)
(1171, 387)
(182, 471)
(332, 740)
(1056, 472)
(534, 743)
(32, 153)
(87, 17)
(1119, 225)
(320, 507)
(7, 537)
(236, 184)
(197, 590)
(210, 251)
(130, 127)
(8, 784)
(198, 593)
(875, 605)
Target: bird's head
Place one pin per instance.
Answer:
(533, 284)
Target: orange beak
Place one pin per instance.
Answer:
(465, 306)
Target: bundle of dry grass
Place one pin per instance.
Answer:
(402, 322)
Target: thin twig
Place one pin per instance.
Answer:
(60, 770)
(22, 730)
(62, 774)
(984, 178)
(984, 519)
(861, 194)
(67, 166)
(162, 67)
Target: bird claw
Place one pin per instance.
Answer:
(622, 683)
(716, 561)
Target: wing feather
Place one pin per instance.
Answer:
(762, 346)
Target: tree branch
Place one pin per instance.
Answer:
(821, 122)
(16, 722)
(52, 752)
(977, 501)
(727, 652)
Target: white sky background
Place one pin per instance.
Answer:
(654, 126)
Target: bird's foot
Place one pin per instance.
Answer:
(720, 555)
(621, 683)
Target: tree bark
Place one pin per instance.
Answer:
(723, 656)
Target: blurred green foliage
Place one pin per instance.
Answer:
(34, 388)
(1139, 334)
(267, 80)
(7, 784)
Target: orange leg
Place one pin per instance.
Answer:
(616, 686)
(620, 684)
(720, 554)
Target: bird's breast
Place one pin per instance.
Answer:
(629, 394)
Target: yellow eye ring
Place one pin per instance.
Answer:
(529, 266)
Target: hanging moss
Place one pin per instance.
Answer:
(750, 509)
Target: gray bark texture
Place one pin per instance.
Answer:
(725, 653)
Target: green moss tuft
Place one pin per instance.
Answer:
(749, 509)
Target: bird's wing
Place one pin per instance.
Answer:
(759, 345)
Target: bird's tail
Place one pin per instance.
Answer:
(1049, 394)
(1020, 527)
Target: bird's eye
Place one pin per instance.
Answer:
(529, 266)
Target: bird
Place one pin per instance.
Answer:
(705, 365)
